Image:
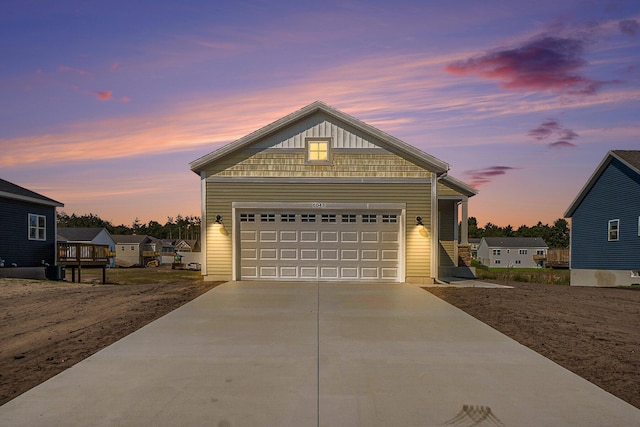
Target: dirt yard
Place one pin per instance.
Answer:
(46, 327)
(594, 332)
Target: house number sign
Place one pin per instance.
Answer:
(318, 205)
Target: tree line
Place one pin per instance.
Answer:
(556, 235)
(180, 227)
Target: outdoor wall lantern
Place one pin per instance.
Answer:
(219, 219)
(222, 230)
(419, 221)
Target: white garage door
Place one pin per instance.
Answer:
(319, 245)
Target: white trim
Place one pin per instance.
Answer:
(320, 206)
(609, 239)
(317, 205)
(30, 199)
(203, 223)
(302, 180)
(435, 227)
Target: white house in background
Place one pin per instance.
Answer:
(91, 235)
(474, 244)
(134, 250)
(511, 252)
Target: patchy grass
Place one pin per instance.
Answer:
(139, 276)
(529, 275)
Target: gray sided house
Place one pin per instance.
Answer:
(27, 228)
(605, 224)
(320, 195)
(134, 249)
(91, 235)
(512, 252)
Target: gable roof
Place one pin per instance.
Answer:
(393, 144)
(630, 158)
(515, 242)
(80, 234)
(130, 238)
(458, 185)
(9, 190)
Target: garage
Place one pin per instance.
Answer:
(319, 195)
(320, 245)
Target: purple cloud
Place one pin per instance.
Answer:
(629, 27)
(545, 63)
(479, 177)
(552, 128)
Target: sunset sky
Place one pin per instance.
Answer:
(103, 104)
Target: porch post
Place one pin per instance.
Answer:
(464, 229)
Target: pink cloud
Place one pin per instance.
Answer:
(103, 96)
(552, 128)
(125, 99)
(546, 63)
(65, 69)
(479, 177)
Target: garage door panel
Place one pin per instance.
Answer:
(268, 236)
(289, 254)
(369, 255)
(309, 254)
(349, 254)
(308, 272)
(369, 237)
(249, 272)
(370, 273)
(290, 236)
(389, 273)
(289, 272)
(329, 236)
(349, 236)
(329, 255)
(329, 272)
(268, 254)
(249, 254)
(249, 236)
(389, 255)
(349, 273)
(308, 236)
(390, 236)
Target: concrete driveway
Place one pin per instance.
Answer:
(303, 354)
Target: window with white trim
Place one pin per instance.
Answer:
(389, 218)
(348, 217)
(497, 252)
(287, 217)
(318, 150)
(247, 217)
(308, 218)
(497, 261)
(524, 251)
(37, 227)
(369, 217)
(518, 261)
(267, 217)
(614, 230)
(329, 217)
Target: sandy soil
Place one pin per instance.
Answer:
(46, 327)
(594, 332)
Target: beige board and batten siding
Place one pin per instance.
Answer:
(221, 194)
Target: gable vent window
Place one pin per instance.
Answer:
(614, 230)
(247, 218)
(319, 150)
(349, 218)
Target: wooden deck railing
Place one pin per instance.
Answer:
(84, 254)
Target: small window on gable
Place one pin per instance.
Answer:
(614, 230)
(319, 150)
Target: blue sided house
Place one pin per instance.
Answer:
(27, 231)
(605, 218)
